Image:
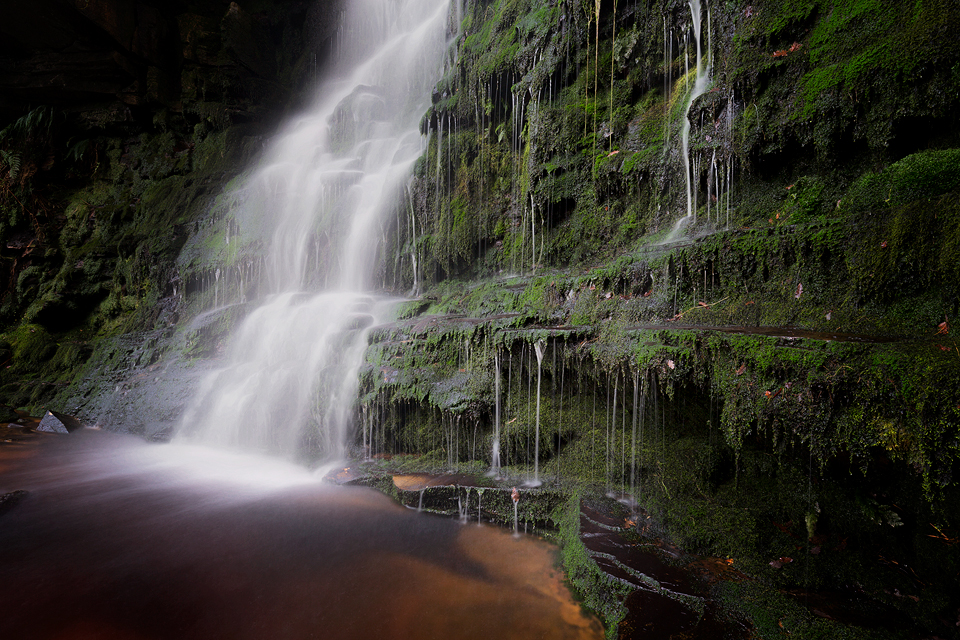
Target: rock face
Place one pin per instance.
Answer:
(148, 54)
(120, 122)
(775, 367)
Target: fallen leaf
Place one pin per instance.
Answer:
(943, 348)
(795, 47)
(775, 565)
(670, 364)
(783, 527)
(828, 314)
(647, 294)
(786, 560)
(790, 187)
(883, 245)
(703, 304)
(751, 302)
(943, 328)
(741, 369)
(799, 290)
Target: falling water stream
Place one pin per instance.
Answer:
(330, 180)
(700, 85)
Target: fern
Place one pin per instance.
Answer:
(12, 160)
(36, 123)
(76, 151)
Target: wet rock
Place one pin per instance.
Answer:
(8, 414)
(54, 422)
(9, 500)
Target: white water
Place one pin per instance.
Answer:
(319, 205)
(495, 452)
(539, 346)
(699, 87)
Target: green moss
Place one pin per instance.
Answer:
(600, 593)
(919, 176)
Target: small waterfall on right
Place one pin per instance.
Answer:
(699, 87)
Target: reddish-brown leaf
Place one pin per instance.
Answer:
(783, 527)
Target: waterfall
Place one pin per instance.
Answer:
(495, 453)
(699, 87)
(539, 346)
(317, 205)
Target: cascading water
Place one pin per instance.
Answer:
(699, 87)
(540, 347)
(318, 206)
(495, 449)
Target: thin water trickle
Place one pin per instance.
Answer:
(699, 87)
(539, 347)
(288, 385)
(495, 453)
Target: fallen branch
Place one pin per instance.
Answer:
(699, 305)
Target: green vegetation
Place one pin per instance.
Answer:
(793, 350)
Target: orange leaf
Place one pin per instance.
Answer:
(741, 369)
